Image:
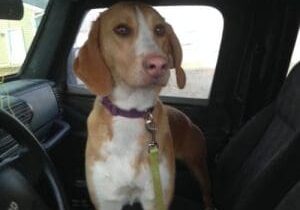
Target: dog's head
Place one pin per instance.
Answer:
(129, 43)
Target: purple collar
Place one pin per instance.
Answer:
(116, 111)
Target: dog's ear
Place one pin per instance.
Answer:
(89, 65)
(176, 52)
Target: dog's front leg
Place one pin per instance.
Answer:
(110, 205)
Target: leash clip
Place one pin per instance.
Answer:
(151, 128)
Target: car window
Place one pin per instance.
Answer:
(200, 42)
(296, 53)
(16, 36)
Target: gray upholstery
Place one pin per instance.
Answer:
(261, 163)
(291, 200)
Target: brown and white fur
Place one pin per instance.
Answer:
(128, 57)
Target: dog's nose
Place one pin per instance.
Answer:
(155, 65)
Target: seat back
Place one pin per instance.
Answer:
(261, 163)
(291, 200)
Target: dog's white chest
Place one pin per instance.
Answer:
(116, 177)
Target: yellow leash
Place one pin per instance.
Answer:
(154, 163)
(159, 202)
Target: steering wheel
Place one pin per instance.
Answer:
(16, 191)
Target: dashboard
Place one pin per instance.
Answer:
(37, 104)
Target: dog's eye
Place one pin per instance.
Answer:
(122, 30)
(160, 30)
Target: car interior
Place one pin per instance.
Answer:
(249, 111)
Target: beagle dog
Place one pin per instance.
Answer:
(125, 62)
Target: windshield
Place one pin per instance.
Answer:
(16, 36)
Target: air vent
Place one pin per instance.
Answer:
(6, 143)
(21, 110)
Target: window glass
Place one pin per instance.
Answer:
(16, 36)
(296, 53)
(200, 43)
